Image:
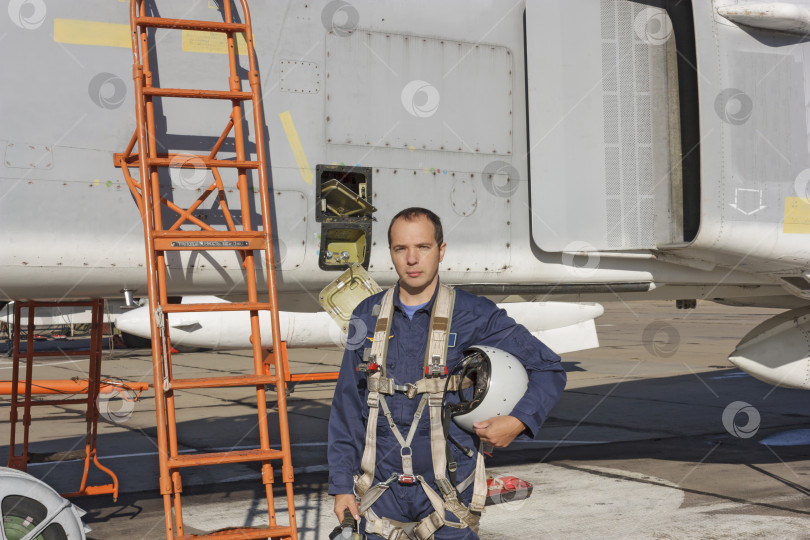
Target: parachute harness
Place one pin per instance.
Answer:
(433, 388)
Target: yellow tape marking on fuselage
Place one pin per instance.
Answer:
(297, 147)
(797, 215)
(91, 33)
(78, 32)
(211, 42)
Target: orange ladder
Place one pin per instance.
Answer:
(94, 352)
(246, 241)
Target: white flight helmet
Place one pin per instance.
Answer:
(492, 382)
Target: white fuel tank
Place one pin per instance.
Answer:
(778, 350)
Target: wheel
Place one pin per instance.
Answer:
(28, 505)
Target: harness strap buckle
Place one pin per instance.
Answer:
(435, 368)
(389, 480)
(407, 479)
(387, 386)
(368, 367)
(445, 486)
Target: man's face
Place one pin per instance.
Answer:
(415, 254)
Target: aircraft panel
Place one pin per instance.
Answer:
(477, 214)
(599, 125)
(768, 144)
(460, 102)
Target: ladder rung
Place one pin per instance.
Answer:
(220, 458)
(200, 94)
(93, 490)
(184, 161)
(246, 533)
(60, 352)
(208, 240)
(193, 162)
(313, 377)
(38, 304)
(220, 306)
(221, 382)
(211, 26)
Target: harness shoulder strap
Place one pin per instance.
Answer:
(440, 317)
(379, 348)
(436, 355)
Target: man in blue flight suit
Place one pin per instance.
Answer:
(417, 247)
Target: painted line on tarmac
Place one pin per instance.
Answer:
(50, 364)
(186, 451)
(735, 375)
(564, 441)
(296, 445)
(297, 470)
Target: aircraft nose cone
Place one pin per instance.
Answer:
(741, 361)
(777, 351)
(135, 322)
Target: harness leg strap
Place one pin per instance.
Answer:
(398, 530)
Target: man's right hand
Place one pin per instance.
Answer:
(344, 501)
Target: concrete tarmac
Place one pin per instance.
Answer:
(645, 442)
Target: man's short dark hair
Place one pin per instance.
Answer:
(414, 212)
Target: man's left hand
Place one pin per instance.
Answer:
(499, 431)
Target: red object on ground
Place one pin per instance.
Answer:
(507, 489)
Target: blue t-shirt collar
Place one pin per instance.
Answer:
(411, 310)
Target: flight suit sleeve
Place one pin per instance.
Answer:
(546, 375)
(346, 429)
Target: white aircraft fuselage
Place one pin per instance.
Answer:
(572, 147)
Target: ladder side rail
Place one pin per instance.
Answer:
(279, 355)
(261, 398)
(29, 376)
(15, 378)
(171, 420)
(139, 37)
(150, 150)
(264, 187)
(154, 199)
(134, 186)
(98, 347)
(92, 385)
(250, 265)
(92, 414)
(173, 481)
